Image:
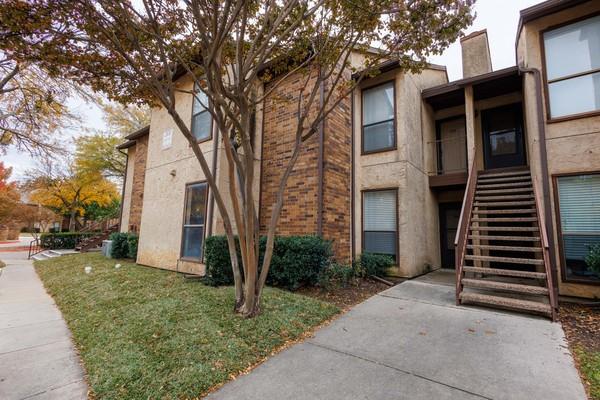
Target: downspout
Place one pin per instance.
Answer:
(123, 188)
(320, 164)
(352, 181)
(211, 197)
(544, 170)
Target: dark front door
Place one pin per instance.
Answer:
(503, 142)
(449, 216)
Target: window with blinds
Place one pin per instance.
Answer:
(378, 118)
(579, 206)
(201, 118)
(193, 223)
(573, 67)
(379, 222)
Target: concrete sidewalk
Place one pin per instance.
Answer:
(412, 342)
(37, 358)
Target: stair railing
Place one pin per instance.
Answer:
(460, 241)
(545, 248)
(34, 248)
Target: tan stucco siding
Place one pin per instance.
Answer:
(573, 146)
(168, 170)
(403, 169)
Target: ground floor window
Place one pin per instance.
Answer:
(380, 234)
(193, 221)
(579, 209)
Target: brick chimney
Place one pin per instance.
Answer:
(476, 58)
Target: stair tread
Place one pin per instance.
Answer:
(505, 228)
(525, 305)
(525, 178)
(505, 219)
(511, 197)
(505, 286)
(503, 248)
(503, 203)
(509, 260)
(494, 186)
(510, 238)
(505, 272)
(508, 211)
(502, 191)
(519, 172)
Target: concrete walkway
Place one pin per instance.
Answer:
(37, 358)
(412, 342)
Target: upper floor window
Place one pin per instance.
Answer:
(572, 55)
(201, 118)
(378, 133)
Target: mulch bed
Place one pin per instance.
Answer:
(346, 297)
(582, 329)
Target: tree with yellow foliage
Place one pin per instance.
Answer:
(68, 190)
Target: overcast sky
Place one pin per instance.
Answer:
(500, 18)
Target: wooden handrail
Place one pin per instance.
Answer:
(545, 248)
(460, 241)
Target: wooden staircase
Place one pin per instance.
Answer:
(94, 241)
(502, 253)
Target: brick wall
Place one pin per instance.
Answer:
(137, 189)
(299, 215)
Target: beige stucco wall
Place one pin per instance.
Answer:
(167, 173)
(126, 200)
(404, 168)
(572, 146)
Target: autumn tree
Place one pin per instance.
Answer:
(9, 194)
(97, 150)
(34, 217)
(67, 191)
(135, 51)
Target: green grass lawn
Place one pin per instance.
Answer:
(145, 333)
(589, 364)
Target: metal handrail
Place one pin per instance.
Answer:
(545, 248)
(460, 241)
(34, 248)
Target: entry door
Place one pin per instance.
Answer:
(449, 216)
(503, 142)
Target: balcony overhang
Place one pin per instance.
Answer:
(455, 179)
(492, 84)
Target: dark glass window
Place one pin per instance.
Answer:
(378, 118)
(201, 118)
(193, 222)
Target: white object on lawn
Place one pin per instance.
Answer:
(117, 266)
(88, 269)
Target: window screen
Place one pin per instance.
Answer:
(579, 203)
(379, 222)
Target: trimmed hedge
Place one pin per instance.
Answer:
(64, 240)
(375, 264)
(297, 261)
(124, 245)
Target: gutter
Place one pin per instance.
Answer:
(352, 183)
(537, 76)
(123, 188)
(320, 167)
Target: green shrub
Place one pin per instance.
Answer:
(593, 258)
(64, 240)
(375, 264)
(120, 246)
(337, 275)
(218, 262)
(297, 261)
(132, 242)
